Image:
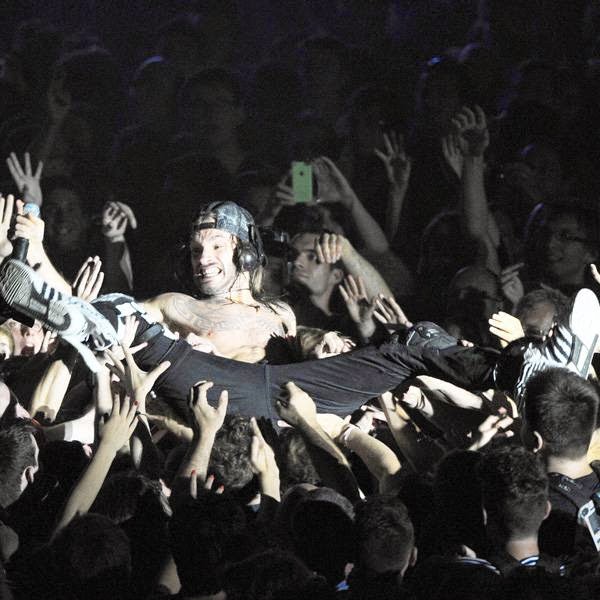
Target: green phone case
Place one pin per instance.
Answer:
(302, 182)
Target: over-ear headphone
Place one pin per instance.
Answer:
(250, 255)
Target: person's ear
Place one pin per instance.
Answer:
(485, 516)
(548, 509)
(539, 442)
(412, 561)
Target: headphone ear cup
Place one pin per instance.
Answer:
(246, 257)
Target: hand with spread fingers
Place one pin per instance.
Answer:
(472, 135)
(390, 314)
(116, 217)
(360, 307)
(27, 181)
(329, 248)
(452, 153)
(511, 284)
(7, 205)
(121, 424)
(505, 327)
(397, 163)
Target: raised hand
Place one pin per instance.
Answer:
(204, 418)
(121, 424)
(505, 327)
(116, 217)
(472, 135)
(452, 153)
(89, 279)
(295, 406)
(397, 164)
(511, 284)
(360, 307)
(26, 180)
(262, 457)
(137, 383)
(329, 248)
(6, 211)
(332, 185)
(390, 314)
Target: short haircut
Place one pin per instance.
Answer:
(515, 491)
(207, 535)
(385, 535)
(230, 456)
(93, 559)
(220, 77)
(562, 407)
(296, 463)
(17, 452)
(552, 296)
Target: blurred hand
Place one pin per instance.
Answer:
(452, 153)
(332, 185)
(398, 165)
(26, 180)
(332, 344)
(116, 217)
(511, 284)
(472, 135)
(262, 457)
(89, 279)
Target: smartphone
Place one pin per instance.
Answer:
(302, 182)
(589, 517)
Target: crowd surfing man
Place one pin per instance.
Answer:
(228, 255)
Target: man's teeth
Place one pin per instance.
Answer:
(208, 272)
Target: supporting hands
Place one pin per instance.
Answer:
(332, 343)
(495, 426)
(121, 424)
(262, 460)
(26, 180)
(397, 164)
(296, 407)
(205, 419)
(116, 216)
(472, 135)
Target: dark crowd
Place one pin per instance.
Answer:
(372, 196)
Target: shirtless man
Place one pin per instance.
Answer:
(228, 316)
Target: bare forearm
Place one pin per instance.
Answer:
(198, 457)
(370, 232)
(358, 266)
(50, 391)
(37, 257)
(394, 209)
(378, 458)
(83, 495)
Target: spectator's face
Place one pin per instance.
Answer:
(274, 276)
(65, 221)
(213, 268)
(307, 270)
(566, 255)
(539, 319)
(213, 114)
(32, 338)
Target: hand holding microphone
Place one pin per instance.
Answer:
(27, 229)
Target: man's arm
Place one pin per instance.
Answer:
(331, 248)
(298, 409)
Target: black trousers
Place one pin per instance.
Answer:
(338, 384)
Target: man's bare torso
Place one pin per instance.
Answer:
(232, 329)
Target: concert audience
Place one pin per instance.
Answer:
(386, 190)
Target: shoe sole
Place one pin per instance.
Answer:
(18, 290)
(584, 323)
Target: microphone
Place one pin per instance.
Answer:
(21, 245)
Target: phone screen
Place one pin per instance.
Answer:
(302, 182)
